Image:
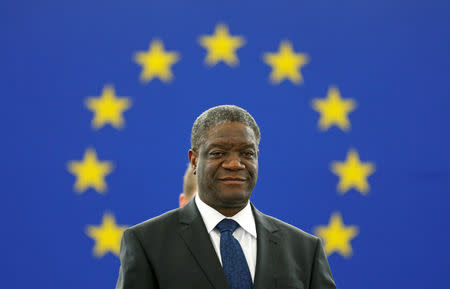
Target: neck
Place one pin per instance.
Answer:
(227, 211)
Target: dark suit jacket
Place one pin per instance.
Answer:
(174, 250)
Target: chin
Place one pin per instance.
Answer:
(234, 198)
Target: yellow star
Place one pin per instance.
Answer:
(108, 108)
(221, 46)
(286, 63)
(336, 236)
(353, 173)
(107, 236)
(334, 110)
(90, 172)
(156, 62)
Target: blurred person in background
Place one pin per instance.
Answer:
(189, 186)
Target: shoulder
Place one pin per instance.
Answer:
(291, 237)
(289, 229)
(295, 242)
(157, 225)
(167, 224)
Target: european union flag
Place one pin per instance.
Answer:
(352, 98)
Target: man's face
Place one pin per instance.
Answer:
(226, 165)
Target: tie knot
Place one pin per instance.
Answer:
(227, 225)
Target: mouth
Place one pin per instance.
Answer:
(233, 180)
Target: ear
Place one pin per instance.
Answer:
(182, 200)
(193, 158)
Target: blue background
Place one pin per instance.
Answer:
(391, 57)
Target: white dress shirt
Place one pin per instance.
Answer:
(245, 233)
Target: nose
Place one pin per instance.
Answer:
(233, 162)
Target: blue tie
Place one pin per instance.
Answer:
(233, 259)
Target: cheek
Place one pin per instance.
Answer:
(253, 168)
(209, 173)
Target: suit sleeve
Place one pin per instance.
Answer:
(321, 275)
(135, 270)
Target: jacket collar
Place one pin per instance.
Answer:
(267, 250)
(193, 231)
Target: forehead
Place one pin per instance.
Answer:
(230, 133)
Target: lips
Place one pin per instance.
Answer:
(240, 179)
(232, 180)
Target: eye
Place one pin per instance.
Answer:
(248, 154)
(217, 154)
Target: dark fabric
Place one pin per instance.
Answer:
(174, 251)
(234, 263)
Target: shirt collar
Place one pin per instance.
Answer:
(211, 217)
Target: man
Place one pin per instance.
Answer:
(219, 239)
(189, 186)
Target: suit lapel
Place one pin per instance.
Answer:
(267, 251)
(194, 234)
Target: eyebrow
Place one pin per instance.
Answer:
(225, 145)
